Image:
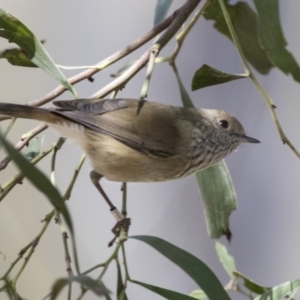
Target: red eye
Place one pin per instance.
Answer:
(224, 123)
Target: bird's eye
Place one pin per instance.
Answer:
(224, 123)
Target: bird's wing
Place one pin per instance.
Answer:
(147, 128)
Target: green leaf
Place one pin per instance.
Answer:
(198, 294)
(272, 39)
(95, 286)
(245, 23)
(250, 284)
(34, 148)
(218, 197)
(39, 180)
(185, 98)
(17, 57)
(226, 259)
(207, 76)
(168, 294)
(161, 9)
(190, 264)
(280, 291)
(215, 184)
(16, 32)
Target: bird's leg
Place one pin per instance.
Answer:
(121, 220)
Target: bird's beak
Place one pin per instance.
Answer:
(248, 139)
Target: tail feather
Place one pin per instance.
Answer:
(27, 112)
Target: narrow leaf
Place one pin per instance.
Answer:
(34, 148)
(95, 286)
(190, 264)
(207, 76)
(245, 23)
(16, 32)
(218, 197)
(161, 9)
(280, 291)
(39, 180)
(215, 186)
(17, 57)
(198, 294)
(185, 98)
(168, 294)
(226, 259)
(272, 38)
(250, 284)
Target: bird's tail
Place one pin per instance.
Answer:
(27, 112)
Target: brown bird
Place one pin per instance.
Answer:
(129, 143)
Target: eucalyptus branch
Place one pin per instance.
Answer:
(57, 146)
(180, 17)
(67, 194)
(185, 31)
(105, 266)
(248, 70)
(32, 245)
(106, 62)
(127, 277)
(234, 37)
(64, 234)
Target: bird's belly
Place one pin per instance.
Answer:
(119, 162)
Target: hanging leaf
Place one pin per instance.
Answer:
(215, 184)
(17, 57)
(16, 32)
(190, 264)
(185, 98)
(245, 23)
(219, 198)
(34, 148)
(272, 38)
(161, 9)
(250, 284)
(226, 259)
(207, 76)
(94, 285)
(168, 294)
(198, 294)
(280, 291)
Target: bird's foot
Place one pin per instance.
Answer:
(120, 230)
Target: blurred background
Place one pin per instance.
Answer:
(265, 227)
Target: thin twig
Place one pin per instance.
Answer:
(145, 87)
(67, 194)
(266, 97)
(185, 31)
(106, 62)
(180, 17)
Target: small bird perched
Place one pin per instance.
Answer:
(129, 142)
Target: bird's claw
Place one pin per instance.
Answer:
(124, 223)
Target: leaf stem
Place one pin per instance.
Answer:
(248, 71)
